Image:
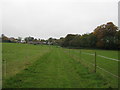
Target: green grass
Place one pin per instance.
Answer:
(0, 66)
(108, 65)
(19, 56)
(36, 66)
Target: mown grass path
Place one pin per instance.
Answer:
(55, 69)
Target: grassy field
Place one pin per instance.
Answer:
(40, 66)
(109, 66)
(0, 66)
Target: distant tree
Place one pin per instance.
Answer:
(75, 42)
(67, 40)
(60, 41)
(84, 40)
(39, 39)
(19, 39)
(52, 41)
(35, 39)
(88, 40)
(106, 35)
(42, 40)
(117, 39)
(27, 39)
(92, 40)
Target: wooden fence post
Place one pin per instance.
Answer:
(95, 62)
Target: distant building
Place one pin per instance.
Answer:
(49, 43)
(12, 39)
(34, 42)
(23, 41)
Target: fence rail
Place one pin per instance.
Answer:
(102, 56)
(108, 58)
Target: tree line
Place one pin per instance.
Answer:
(29, 39)
(106, 36)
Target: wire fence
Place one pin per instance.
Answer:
(94, 61)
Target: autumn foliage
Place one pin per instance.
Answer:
(106, 36)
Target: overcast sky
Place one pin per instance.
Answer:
(55, 18)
